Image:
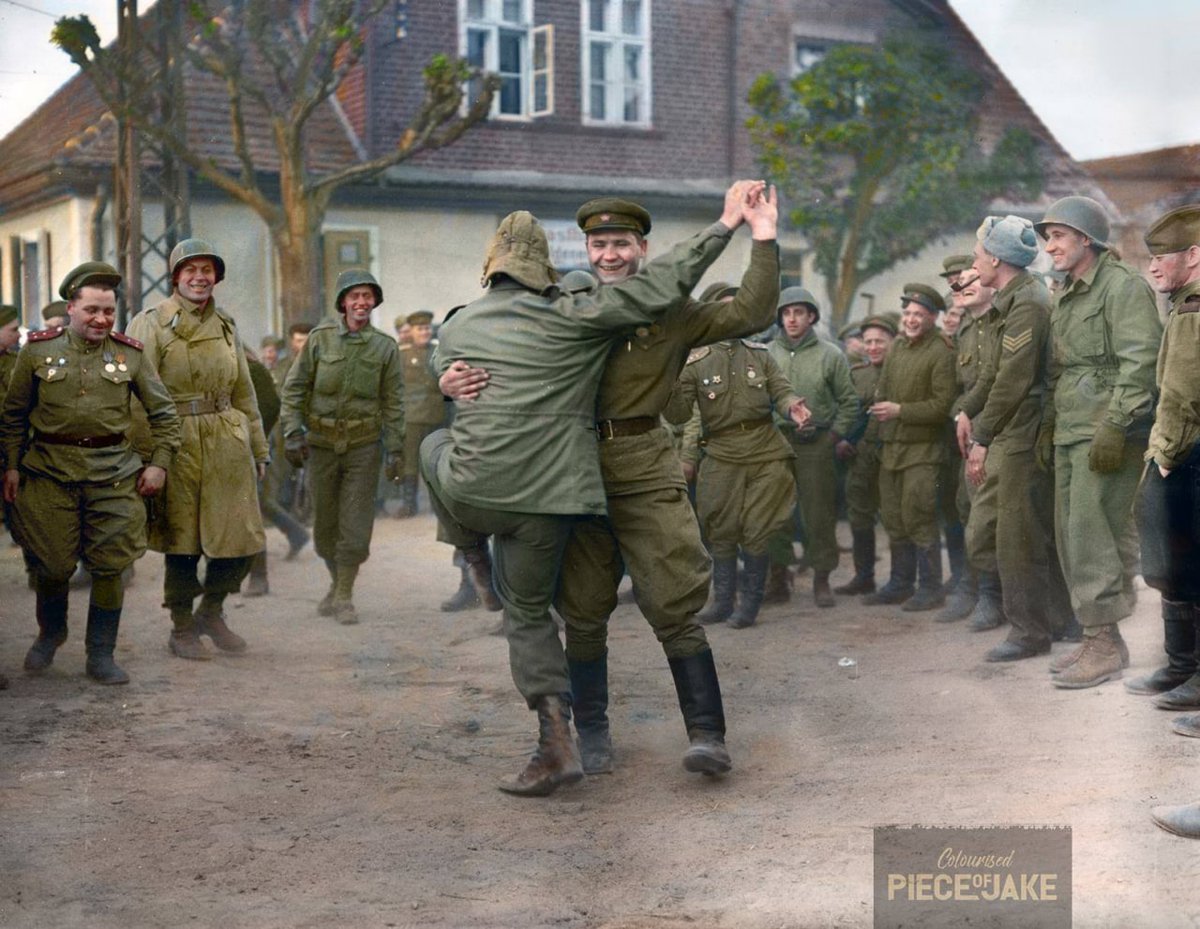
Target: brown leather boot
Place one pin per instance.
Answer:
(479, 570)
(779, 584)
(822, 595)
(556, 760)
(1099, 660)
(184, 642)
(210, 621)
(1065, 660)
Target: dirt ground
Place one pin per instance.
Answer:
(345, 776)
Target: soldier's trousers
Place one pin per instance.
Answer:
(343, 487)
(862, 487)
(1094, 529)
(414, 435)
(908, 504)
(744, 504)
(527, 553)
(59, 524)
(1168, 521)
(814, 472)
(654, 536)
(1011, 531)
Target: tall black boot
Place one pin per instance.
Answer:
(589, 699)
(989, 608)
(724, 583)
(956, 554)
(1179, 642)
(961, 602)
(699, 692)
(754, 583)
(52, 624)
(929, 595)
(555, 762)
(101, 639)
(900, 585)
(863, 548)
(465, 597)
(479, 570)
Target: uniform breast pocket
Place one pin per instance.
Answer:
(331, 369)
(48, 374)
(711, 391)
(364, 377)
(116, 376)
(1088, 338)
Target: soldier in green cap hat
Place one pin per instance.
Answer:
(1168, 511)
(862, 474)
(343, 410)
(1105, 335)
(424, 406)
(818, 371)
(54, 314)
(74, 480)
(195, 348)
(913, 399)
(571, 478)
(953, 267)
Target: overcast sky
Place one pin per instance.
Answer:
(1108, 77)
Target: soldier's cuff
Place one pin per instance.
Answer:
(720, 229)
(162, 458)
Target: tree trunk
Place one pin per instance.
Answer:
(297, 240)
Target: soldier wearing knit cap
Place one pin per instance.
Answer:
(1002, 412)
(1105, 336)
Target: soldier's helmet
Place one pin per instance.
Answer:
(790, 296)
(520, 250)
(356, 277)
(195, 248)
(1083, 214)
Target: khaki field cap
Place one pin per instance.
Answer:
(519, 249)
(849, 330)
(878, 322)
(924, 295)
(613, 213)
(90, 272)
(1175, 231)
(195, 248)
(1083, 214)
(356, 277)
(420, 318)
(956, 264)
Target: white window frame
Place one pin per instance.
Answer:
(615, 97)
(492, 23)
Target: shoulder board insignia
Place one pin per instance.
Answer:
(43, 334)
(452, 311)
(1190, 305)
(126, 340)
(749, 343)
(697, 353)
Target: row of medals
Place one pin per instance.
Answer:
(111, 363)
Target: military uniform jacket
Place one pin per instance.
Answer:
(424, 404)
(818, 372)
(528, 443)
(8, 362)
(865, 377)
(1006, 402)
(200, 357)
(1105, 335)
(346, 389)
(919, 375)
(64, 385)
(736, 384)
(971, 345)
(643, 367)
(1177, 422)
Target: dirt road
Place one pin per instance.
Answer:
(344, 776)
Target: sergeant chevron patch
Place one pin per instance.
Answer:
(1014, 343)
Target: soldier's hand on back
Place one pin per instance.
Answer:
(461, 382)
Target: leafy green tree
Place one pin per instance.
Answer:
(877, 148)
(278, 61)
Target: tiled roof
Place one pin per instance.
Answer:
(1150, 182)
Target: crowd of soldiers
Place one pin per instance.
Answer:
(608, 424)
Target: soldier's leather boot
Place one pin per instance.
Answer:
(1178, 820)
(929, 595)
(754, 581)
(699, 692)
(1184, 697)
(863, 548)
(956, 554)
(589, 700)
(822, 595)
(556, 761)
(184, 642)
(724, 583)
(325, 607)
(779, 584)
(209, 620)
(464, 598)
(51, 612)
(256, 580)
(1187, 725)
(101, 639)
(1099, 660)
(899, 586)
(989, 604)
(1069, 631)
(479, 570)
(343, 595)
(1065, 660)
(961, 602)
(1179, 642)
